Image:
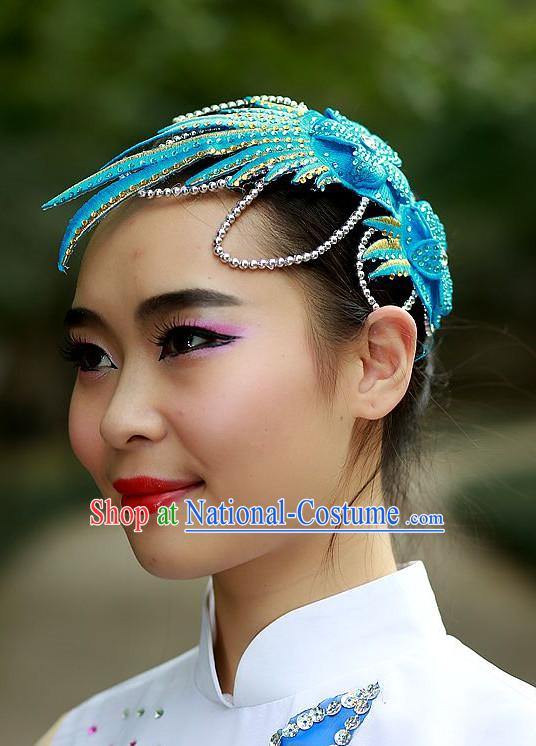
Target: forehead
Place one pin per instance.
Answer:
(144, 248)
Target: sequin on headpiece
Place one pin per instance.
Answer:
(263, 139)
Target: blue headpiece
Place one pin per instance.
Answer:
(264, 138)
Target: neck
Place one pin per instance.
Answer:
(252, 595)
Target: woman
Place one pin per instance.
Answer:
(199, 382)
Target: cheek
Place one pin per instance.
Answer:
(256, 425)
(84, 434)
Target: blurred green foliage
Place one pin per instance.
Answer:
(502, 509)
(39, 483)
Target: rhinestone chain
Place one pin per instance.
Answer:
(231, 216)
(290, 259)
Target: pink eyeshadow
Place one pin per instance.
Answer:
(226, 328)
(230, 329)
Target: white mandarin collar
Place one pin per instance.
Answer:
(317, 641)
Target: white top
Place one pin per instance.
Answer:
(432, 689)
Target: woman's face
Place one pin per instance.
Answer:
(240, 411)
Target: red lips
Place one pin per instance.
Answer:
(152, 493)
(142, 485)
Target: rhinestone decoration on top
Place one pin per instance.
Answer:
(331, 722)
(158, 712)
(258, 139)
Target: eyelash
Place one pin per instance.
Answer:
(73, 347)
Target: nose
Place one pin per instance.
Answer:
(133, 411)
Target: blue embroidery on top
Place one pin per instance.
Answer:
(332, 721)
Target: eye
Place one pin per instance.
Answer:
(83, 354)
(176, 338)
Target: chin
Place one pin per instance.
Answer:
(166, 554)
(159, 567)
(168, 560)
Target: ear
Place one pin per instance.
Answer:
(387, 352)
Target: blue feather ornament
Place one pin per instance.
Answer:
(263, 138)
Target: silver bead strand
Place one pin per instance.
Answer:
(237, 263)
(235, 105)
(179, 189)
(361, 276)
(361, 272)
(410, 301)
(429, 328)
(285, 261)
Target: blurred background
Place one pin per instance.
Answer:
(450, 85)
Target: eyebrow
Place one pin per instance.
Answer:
(79, 316)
